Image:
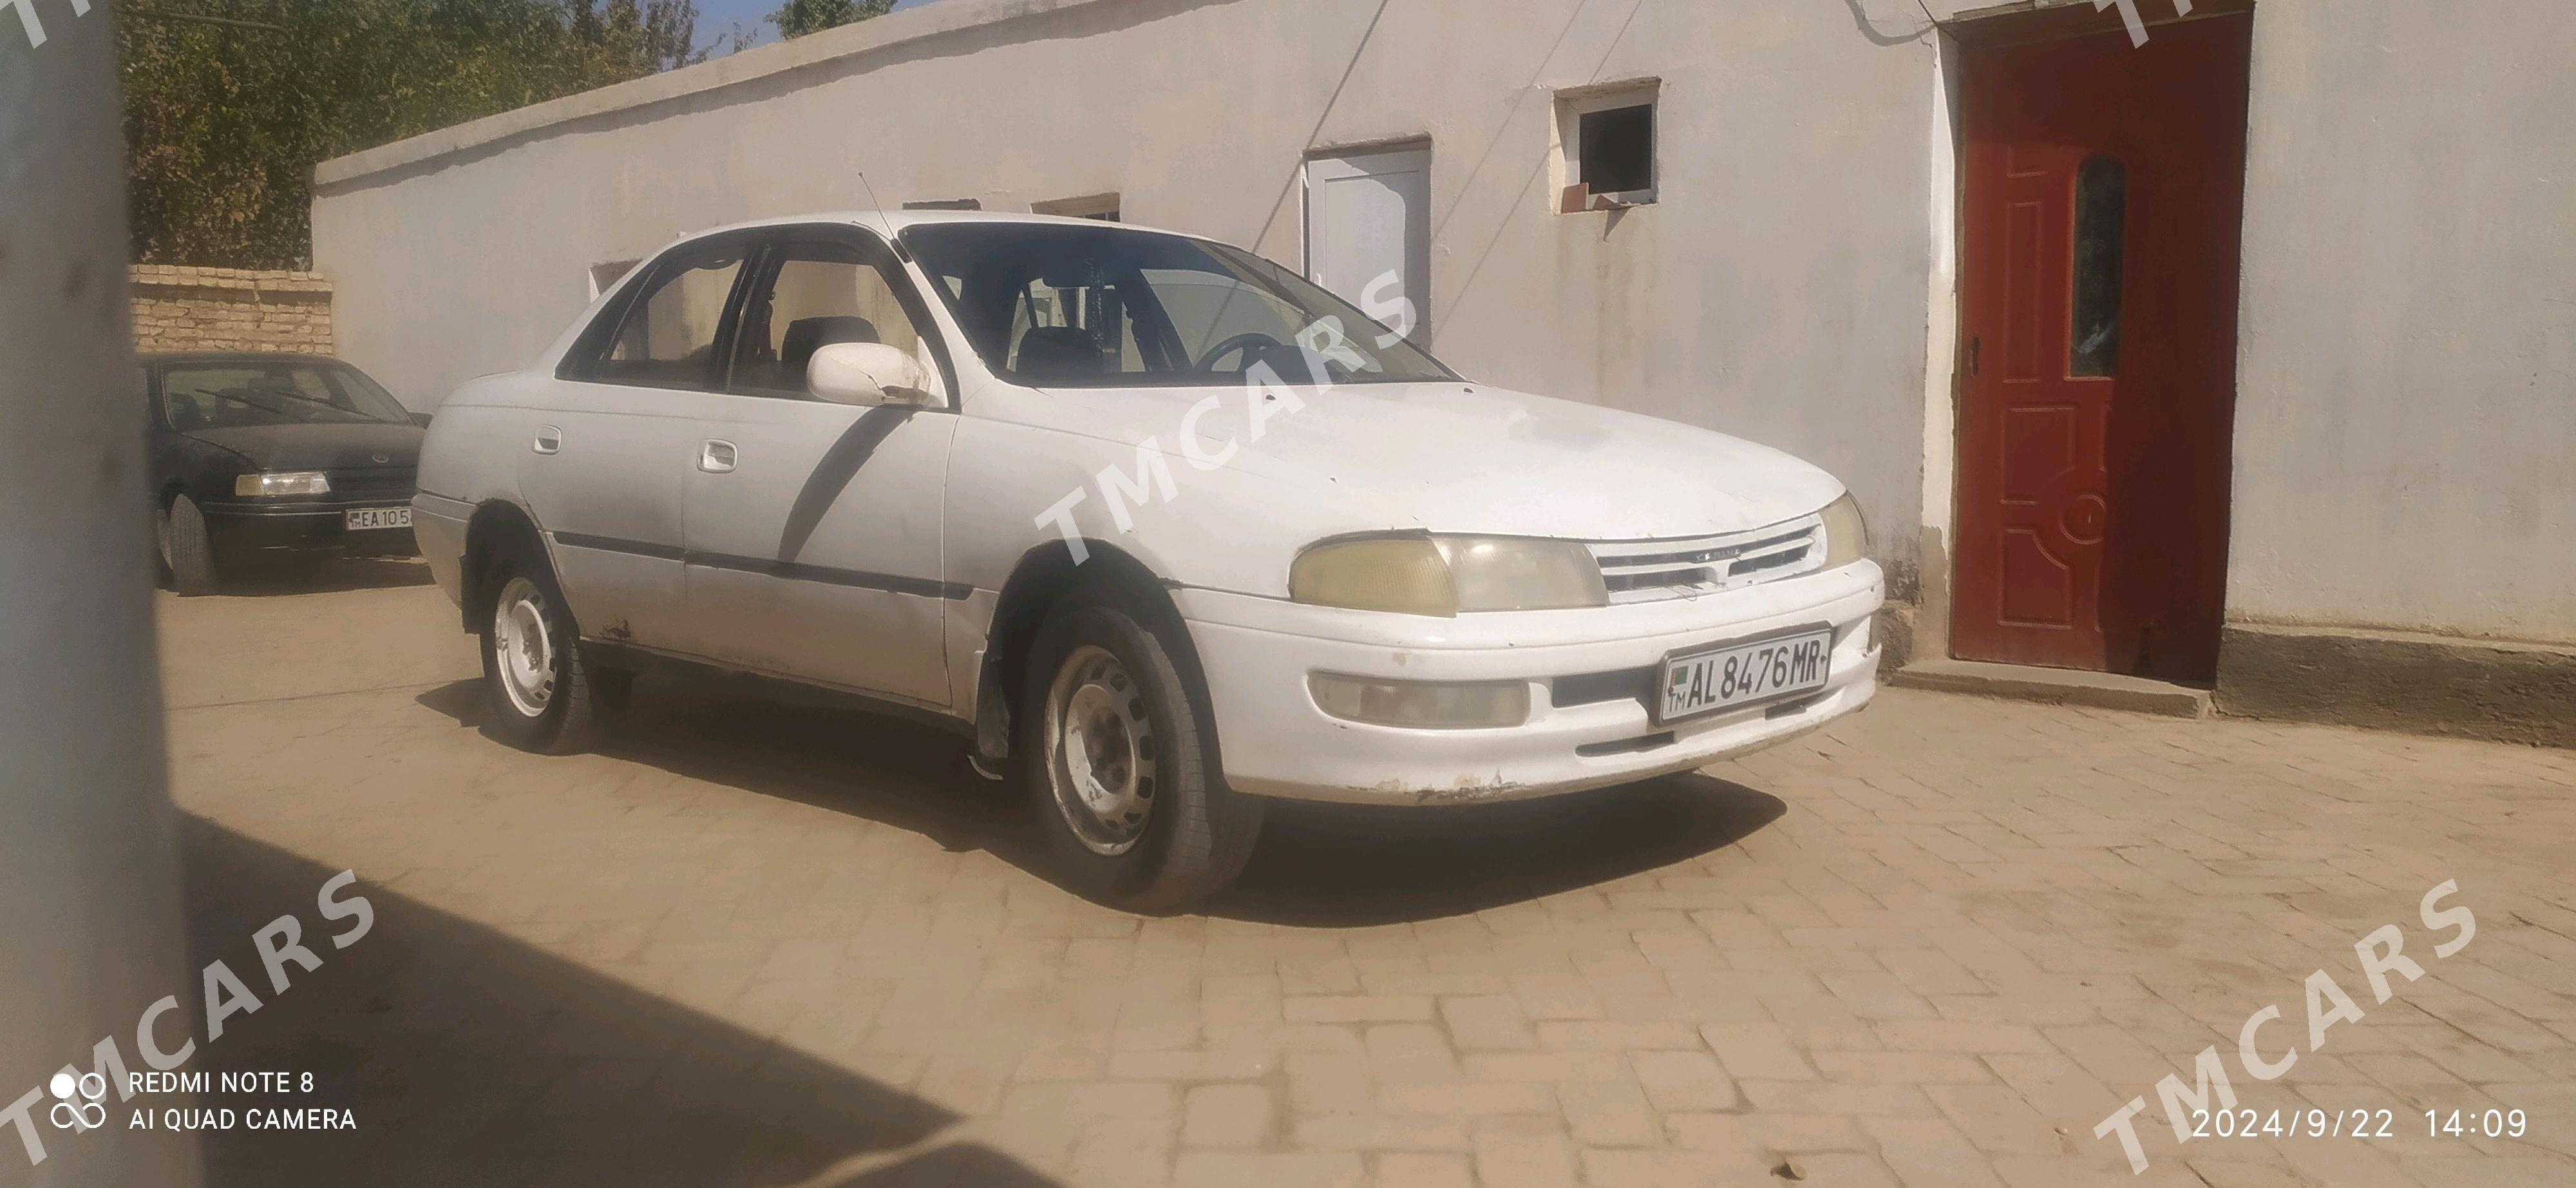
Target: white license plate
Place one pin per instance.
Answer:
(379, 517)
(1741, 674)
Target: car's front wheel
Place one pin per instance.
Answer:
(544, 695)
(187, 553)
(1121, 771)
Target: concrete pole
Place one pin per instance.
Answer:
(90, 931)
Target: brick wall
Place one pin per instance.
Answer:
(230, 309)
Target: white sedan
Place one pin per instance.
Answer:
(1153, 521)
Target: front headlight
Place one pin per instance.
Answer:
(1444, 575)
(1846, 538)
(1388, 573)
(1504, 573)
(282, 482)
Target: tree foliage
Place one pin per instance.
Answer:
(224, 123)
(797, 18)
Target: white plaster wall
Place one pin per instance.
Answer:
(1776, 291)
(2406, 409)
(2406, 412)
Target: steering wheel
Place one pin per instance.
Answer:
(1252, 343)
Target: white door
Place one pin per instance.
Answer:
(814, 528)
(603, 466)
(1368, 233)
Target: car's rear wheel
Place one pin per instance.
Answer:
(187, 553)
(1117, 757)
(542, 691)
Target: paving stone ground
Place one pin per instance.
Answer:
(756, 943)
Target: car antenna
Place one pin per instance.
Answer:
(883, 221)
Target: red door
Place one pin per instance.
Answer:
(2104, 189)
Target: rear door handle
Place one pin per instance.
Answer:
(549, 440)
(716, 457)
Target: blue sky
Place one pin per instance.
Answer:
(714, 16)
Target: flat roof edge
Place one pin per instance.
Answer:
(895, 28)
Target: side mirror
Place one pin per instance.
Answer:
(867, 373)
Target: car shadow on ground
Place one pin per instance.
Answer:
(467, 1057)
(1338, 866)
(1317, 866)
(321, 575)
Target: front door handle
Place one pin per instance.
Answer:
(549, 440)
(716, 457)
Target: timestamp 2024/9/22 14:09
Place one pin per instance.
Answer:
(2363, 1124)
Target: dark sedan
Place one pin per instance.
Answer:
(275, 456)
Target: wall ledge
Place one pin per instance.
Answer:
(2498, 690)
(248, 280)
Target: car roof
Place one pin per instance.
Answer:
(150, 358)
(899, 220)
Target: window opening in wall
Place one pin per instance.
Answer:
(1618, 153)
(1606, 148)
(604, 277)
(1103, 207)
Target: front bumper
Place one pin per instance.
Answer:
(439, 523)
(303, 527)
(1258, 652)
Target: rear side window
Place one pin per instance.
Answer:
(666, 336)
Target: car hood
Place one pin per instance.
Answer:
(1468, 458)
(351, 446)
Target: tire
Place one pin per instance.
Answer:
(1173, 833)
(187, 553)
(541, 691)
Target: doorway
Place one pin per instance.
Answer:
(2101, 212)
(1368, 219)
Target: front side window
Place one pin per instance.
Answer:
(1070, 306)
(234, 395)
(813, 295)
(666, 337)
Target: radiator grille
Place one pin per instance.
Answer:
(387, 484)
(1686, 567)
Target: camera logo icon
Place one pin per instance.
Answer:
(72, 1112)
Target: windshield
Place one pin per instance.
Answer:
(1099, 306)
(238, 394)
